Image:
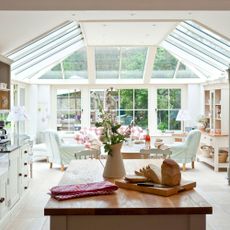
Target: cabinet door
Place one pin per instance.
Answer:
(24, 168)
(3, 195)
(14, 165)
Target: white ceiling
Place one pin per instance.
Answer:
(126, 33)
(105, 27)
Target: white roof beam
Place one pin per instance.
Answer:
(149, 61)
(91, 64)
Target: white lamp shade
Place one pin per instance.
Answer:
(183, 115)
(17, 113)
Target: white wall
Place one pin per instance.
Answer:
(194, 103)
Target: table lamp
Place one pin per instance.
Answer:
(16, 115)
(183, 115)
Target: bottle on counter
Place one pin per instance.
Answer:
(147, 140)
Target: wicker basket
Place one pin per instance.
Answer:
(223, 155)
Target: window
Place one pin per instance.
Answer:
(120, 63)
(185, 72)
(168, 105)
(94, 111)
(132, 104)
(164, 64)
(73, 67)
(68, 109)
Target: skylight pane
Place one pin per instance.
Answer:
(132, 63)
(54, 73)
(205, 49)
(206, 37)
(196, 53)
(107, 63)
(185, 72)
(164, 64)
(75, 66)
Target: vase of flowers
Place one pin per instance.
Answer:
(111, 137)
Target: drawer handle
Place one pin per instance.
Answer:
(25, 187)
(25, 152)
(2, 199)
(20, 174)
(25, 163)
(25, 175)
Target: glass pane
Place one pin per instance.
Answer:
(162, 98)
(126, 99)
(75, 100)
(75, 66)
(206, 37)
(141, 99)
(185, 72)
(126, 117)
(133, 62)
(164, 64)
(107, 63)
(93, 117)
(175, 98)
(54, 73)
(62, 101)
(112, 103)
(162, 120)
(68, 109)
(141, 119)
(174, 125)
(93, 98)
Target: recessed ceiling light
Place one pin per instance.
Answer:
(73, 15)
(147, 35)
(153, 25)
(132, 14)
(104, 25)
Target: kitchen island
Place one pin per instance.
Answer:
(125, 209)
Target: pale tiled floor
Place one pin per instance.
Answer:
(213, 186)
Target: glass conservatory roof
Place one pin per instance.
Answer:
(202, 48)
(45, 50)
(189, 52)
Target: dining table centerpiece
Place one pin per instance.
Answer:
(112, 138)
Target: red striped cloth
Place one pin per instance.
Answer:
(64, 192)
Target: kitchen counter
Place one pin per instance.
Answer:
(131, 209)
(9, 148)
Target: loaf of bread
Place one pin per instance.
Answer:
(151, 172)
(170, 173)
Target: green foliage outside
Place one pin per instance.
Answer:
(168, 105)
(164, 60)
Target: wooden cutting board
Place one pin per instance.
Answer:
(167, 191)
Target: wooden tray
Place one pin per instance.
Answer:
(168, 191)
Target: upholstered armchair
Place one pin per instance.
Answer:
(185, 152)
(60, 153)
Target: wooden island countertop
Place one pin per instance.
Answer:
(122, 202)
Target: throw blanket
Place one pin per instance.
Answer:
(65, 192)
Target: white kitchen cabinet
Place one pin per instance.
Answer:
(217, 142)
(14, 166)
(216, 109)
(14, 180)
(3, 194)
(24, 168)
